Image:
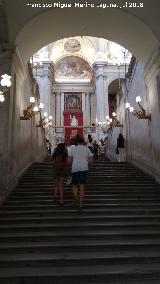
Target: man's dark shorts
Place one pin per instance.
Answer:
(79, 177)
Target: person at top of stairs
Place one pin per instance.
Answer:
(120, 147)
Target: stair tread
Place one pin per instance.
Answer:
(62, 271)
(7, 257)
(82, 243)
(81, 224)
(84, 233)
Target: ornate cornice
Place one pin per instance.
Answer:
(78, 88)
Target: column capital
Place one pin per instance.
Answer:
(88, 93)
(99, 64)
(99, 69)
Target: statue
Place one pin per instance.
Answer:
(74, 121)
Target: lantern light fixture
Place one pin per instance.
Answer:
(32, 100)
(5, 83)
(141, 113)
(6, 80)
(41, 105)
(35, 109)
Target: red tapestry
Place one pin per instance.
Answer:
(71, 131)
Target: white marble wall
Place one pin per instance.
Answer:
(21, 142)
(143, 136)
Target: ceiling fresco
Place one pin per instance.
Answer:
(73, 67)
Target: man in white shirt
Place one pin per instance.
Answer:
(68, 172)
(81, 155)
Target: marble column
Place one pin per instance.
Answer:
(53, 113)
(84, 109)
(101, 96)
(44, 82)
(100, 100)
(53, 107)
(87, 109)
(93, 109)
(58, 109)
(106, 85)
(62, 109)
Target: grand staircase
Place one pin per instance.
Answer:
(114, 239)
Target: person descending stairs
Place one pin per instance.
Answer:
(114, 239)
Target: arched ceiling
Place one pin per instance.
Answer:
(92, 49)
(137, 29)
(4, 35)
(114, 86)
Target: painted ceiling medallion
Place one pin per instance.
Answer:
(72, 45)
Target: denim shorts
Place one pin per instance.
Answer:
(79, 177)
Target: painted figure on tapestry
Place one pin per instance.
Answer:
(72, 101)
(74, 121)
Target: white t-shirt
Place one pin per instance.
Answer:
(80, 156)
(69, 149)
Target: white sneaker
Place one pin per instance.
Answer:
(69, 180)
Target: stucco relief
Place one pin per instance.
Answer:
(72, 45)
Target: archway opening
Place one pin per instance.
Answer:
(47, 27)
(74, 75)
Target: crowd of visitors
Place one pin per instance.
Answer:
(71, 162)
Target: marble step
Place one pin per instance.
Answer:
(96, 206)
(88, 200)
(80, 246)
(72, 226)
(73, 211)
(82, 233)
(81, 218)
(78, 259)
(105, 191)
(83, 274)
(47, 238)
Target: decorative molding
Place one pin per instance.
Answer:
(152, 68)
(66, 88)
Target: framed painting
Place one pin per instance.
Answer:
(73, 101)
